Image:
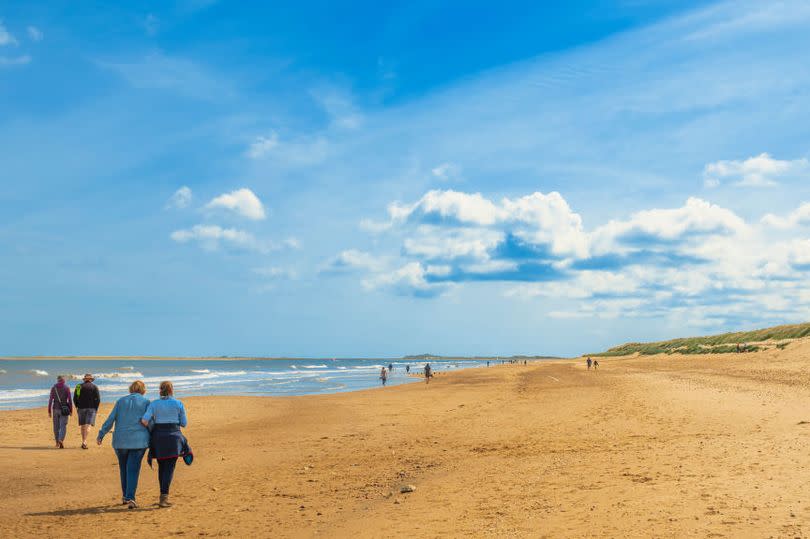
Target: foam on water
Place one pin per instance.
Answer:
(26, 384)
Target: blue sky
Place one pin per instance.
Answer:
(207, 177)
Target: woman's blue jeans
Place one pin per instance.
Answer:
(129, 464)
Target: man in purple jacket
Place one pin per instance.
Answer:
(60, 408)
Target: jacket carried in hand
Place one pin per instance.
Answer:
(86, 395)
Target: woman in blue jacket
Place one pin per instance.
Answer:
(130, 438)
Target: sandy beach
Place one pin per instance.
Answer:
(656, 446)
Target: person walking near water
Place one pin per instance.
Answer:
(60, 408)
(428, 373)
(86, 398)
(589, 363)
(130, 438)
(595, 364)
(167, 442)
(383, 376)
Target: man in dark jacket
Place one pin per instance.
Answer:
(86, 398)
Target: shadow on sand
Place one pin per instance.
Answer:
(100, 510)
(32, 448)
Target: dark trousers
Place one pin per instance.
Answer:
(129, 465)
(166, 473)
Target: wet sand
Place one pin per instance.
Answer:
(670, 446)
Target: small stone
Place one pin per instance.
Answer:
(407, 488)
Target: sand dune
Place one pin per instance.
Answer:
(664, 446)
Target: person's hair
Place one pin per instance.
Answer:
(166, 389)
(137, 387)
(60, 378)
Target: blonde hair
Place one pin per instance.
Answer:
(166, 389)
(137, 387)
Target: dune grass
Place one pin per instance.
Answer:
(715, 344)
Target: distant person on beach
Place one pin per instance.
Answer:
(167, 442)
(86, 398)
(589, 363)
(390, 367)
(428, 373)
(595, 364)
(60, 408)
(383, 376)
(408, 369)
(130, 438)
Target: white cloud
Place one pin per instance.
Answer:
(436, 243)
(261, 146)
(759, 171)
(696, 218)
(6, 38)
(35, 34)
(211, 237)
(242, 202)
(408, 280)
(466, 208)
(180, 199)
(799, 216)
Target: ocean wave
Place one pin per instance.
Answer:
(37, 372)
(323, 379)
(131, 376)
(2, 371)
(314, 366)
(201, 371)
(19, 394)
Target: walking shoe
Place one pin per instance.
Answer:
(164, 501)
(84, 445)
(132, 505)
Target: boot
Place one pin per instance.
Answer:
(164, 501)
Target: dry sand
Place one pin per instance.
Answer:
(703, 446)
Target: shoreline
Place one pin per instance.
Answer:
(410, 378)
(279, 358)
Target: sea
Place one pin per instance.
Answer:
(27, 383)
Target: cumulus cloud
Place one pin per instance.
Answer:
(799, 216)
(180, 199)
(262, 146)
(211, 237)
(408, 280)
(665, 226)
(661, 256)
(243, 202)
(759, 171)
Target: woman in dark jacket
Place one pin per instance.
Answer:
(60, 408)
(167, 442)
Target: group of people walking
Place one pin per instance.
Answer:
(141, 427)
(385, 373)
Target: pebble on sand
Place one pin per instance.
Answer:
(407, 488)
